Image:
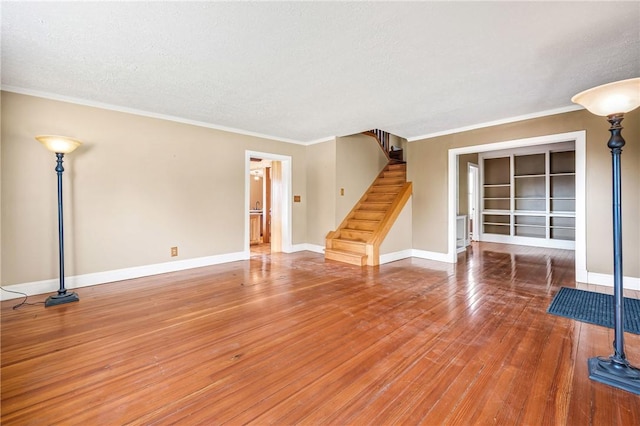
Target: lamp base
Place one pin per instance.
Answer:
(60, 299)
(622, 376)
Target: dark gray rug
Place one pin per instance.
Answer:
(594, 308)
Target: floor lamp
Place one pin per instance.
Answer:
(613, 100)
(60, 145)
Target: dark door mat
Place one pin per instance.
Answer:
(594, 308)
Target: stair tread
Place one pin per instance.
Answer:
(346, 257)
(351, 253)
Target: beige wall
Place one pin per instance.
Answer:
(463, 181)
(428, 162)
(359, 160)
(399, 237)
(256, 191)
(141, 185)
(137, 187)
(321, 184)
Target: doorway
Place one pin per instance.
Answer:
(270, 219)
(260, 206)
(579, 139)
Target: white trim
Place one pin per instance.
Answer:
(431, 255)
(286, 196)
(118, 108)
(508, 120)
(307, 247)
(629, 283)
(77, 281)
(398, 255)
(579, 137)
(529, 241)
(321, 140)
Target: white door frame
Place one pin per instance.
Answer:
(580, 139)
(474, 203)
(286, 197)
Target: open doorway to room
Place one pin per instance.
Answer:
(260, 206)
(268, 210)
(532, 204)
(465, 202)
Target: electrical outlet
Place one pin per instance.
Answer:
(174, 251)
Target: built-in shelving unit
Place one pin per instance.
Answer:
(528, 196)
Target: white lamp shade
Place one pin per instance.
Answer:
(59, 144)
(613, 98)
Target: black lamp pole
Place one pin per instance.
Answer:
(616, 370)
(63, 296)
(60, 145)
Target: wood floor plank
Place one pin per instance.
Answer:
(292, 339)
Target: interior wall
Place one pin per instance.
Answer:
(427, 168)
(399, 237)
(135, 188)
(255, 195)
(321, 184)
(359, 159)
(463, 182)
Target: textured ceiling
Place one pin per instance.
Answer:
(305, 71)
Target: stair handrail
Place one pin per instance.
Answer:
(383, 140)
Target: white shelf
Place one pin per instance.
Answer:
(535, 190)
(497, 212)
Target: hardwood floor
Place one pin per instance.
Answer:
(290, 339)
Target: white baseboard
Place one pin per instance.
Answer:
(50, 286)
(629, 283)
(307, 247)
(431, 255)
(77, 281)
(398, 255)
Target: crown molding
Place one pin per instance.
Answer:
(539, 114)
(118, 108)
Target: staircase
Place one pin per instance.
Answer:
(358, 238)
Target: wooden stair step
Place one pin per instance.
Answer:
(390, 181)
(388, 189)
(348, 245)
(363, 224)
(394, 173)
(375, 206)
(380, 197)
(368, 214)
(355, 234)
(346, 257)
(396, 166)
